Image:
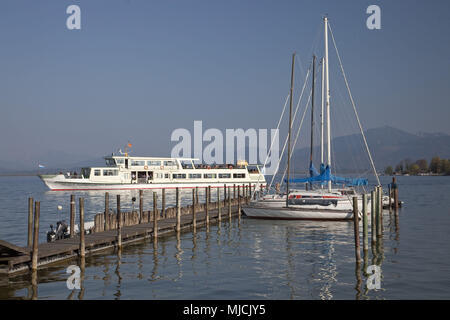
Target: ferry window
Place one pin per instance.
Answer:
(110, 162)
(179, 176)
(85, 172)
(238, 175)
(137, 163)
(195, 176)
(169, 163)
(97, 172)
(225, 175)
(209, 175)
(166, 176)
(154, 163)
(186, 164)
(120, 161)
(108, 172)
(252, 169)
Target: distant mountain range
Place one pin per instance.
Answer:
(388, 146)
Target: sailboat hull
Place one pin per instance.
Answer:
(291, 213)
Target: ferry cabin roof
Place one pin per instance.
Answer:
(172, 163)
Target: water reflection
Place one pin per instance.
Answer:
(154, 274)
(117, 293)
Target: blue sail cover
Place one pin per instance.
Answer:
(325, 176)
(313, 171)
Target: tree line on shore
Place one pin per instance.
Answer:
(436, 166)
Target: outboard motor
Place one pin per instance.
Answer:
(51, 235)
(61, 232)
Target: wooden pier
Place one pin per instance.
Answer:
(111, 232)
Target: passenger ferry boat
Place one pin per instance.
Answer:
(124, 172)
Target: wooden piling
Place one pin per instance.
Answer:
(30, 223)
(234, 191)
(224, 192)
(390, 197)
(239, 201)
(141, 206)
(82, 243)
(37, 213)
(72, 216)
(207, 195)
(365, 224)
(395, 190)
(106, 219)
(163, 203)
(377, 210)
(249, 192)
(373, 225)
(119, 224)
(381, 207)
(229, 204)
(155, 215)
(380, 212)
(196, 194)
(178, 213)
(356, 229)
(219, 215)
(194, 222)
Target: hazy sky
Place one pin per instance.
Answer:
(138, 69)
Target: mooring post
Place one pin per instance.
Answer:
(390, 197)
(377, 210)
(30, 223)
(163, 203)
(356, 229)
(365, 224)
(207, 195)
(141, 206)
(106, 219)
(229, 203)
(37, 213)
(82, 243)
(239, 201)
(249, 192)
(373, 223)
(247, 198)
(196, 195)
(119, 224)
(155, 215)
(219, 216)
(194, 225)
(178, 225)
(224, 192)
(234, 191)
(72, 216)
(380, 211)
(381, 207)
(395, 190)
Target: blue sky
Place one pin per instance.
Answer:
(137, 70)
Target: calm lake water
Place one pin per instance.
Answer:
(250, 259)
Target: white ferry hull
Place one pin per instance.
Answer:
(59, 183)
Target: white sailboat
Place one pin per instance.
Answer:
(322, 203)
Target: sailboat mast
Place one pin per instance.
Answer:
(321, 113)
(290, 127)
(312, 113)
(327, 96)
